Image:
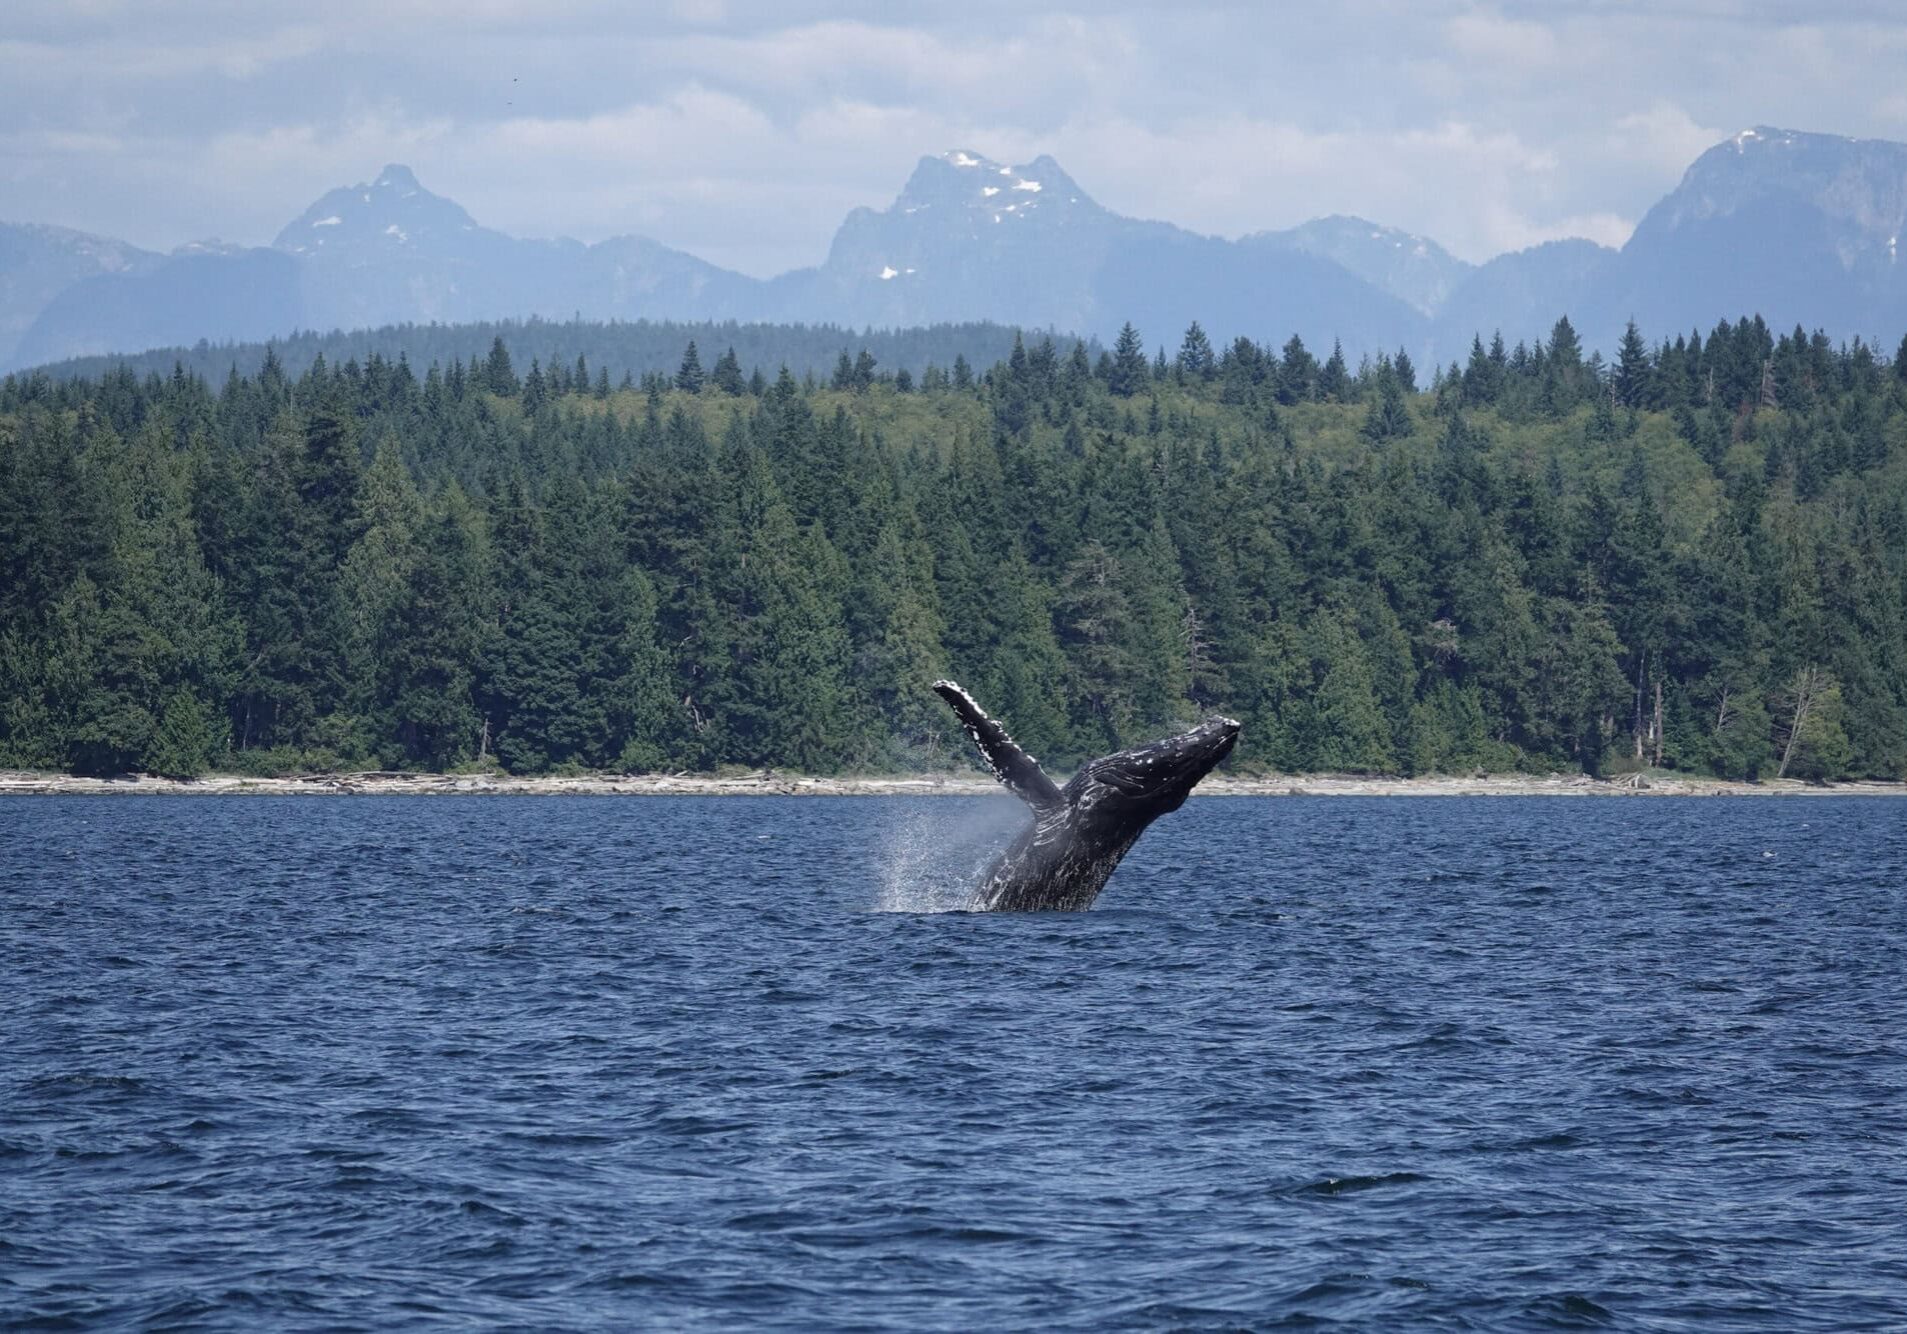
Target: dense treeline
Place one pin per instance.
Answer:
(1693, 557)
(623, 350)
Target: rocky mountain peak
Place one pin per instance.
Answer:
(393, 210)
(1846, 195)
(397, 176)
(963, 180)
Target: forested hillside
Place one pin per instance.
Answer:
(1692, 558)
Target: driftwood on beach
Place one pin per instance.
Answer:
(773, 783)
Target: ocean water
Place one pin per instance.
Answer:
(683, 1063)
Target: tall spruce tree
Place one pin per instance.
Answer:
(688, 375)
(1129, 372)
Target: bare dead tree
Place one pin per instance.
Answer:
(1198, 651)
(1807, 691)
(1635, 729)
(1658, 722)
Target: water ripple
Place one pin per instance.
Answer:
(585, 1063)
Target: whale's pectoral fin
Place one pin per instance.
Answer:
(1012, 766)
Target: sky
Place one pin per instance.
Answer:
(744, 130)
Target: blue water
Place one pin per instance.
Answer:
(570, 1063)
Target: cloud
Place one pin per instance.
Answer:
(743, 130)
(1664, 135)
(117, 58)
(1241, 175)
(337, 154)
(1031, 75)
(1513, 231)
(1524, 48)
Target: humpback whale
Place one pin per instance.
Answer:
(1080, 831)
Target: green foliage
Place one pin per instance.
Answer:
(1695, 558)
(1387, 419)
(187, 740)
(1341, 726)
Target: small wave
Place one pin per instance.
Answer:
(560, 1139)
(81, 1082)
(637, 1281)
(1334, 1186)
(490, 1212)
(1560, 1139)
(1571, 1309)
(338, 1102)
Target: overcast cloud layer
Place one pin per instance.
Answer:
(742, 131)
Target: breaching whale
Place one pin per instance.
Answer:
(1080, 831)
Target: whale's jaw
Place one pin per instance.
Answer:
(1163, 773)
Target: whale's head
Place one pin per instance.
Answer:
(1146, 782)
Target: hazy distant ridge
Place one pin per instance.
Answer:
(1801, 228)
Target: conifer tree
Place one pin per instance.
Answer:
(1196, 360)
(903, 655)
(1129, 371)
(1346, 729)
(536, 389)
(432, 710)
(1155, 592)
(374, 580)
(1095, 624)
(688, 376)
(1334, 380)
(185, 743)
(727, 376)
(1387, 418)
(1632, 369)
(499, 377)
(1405, 371)
(1297, 373)
(787, 692)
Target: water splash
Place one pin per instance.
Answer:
(936, 852)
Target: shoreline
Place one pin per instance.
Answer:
(771, 783)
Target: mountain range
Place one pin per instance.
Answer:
(1800, 228)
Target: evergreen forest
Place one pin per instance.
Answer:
(1692, 556)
